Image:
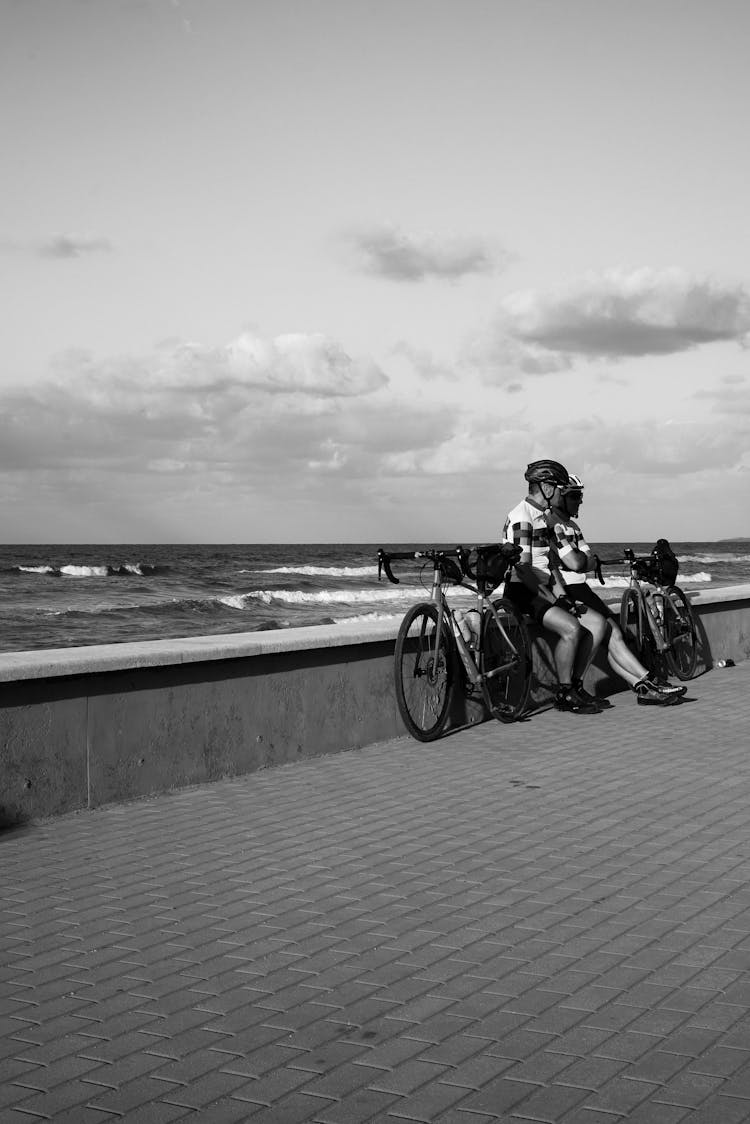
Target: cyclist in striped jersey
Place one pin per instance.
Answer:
(533, 589)
(571, 560)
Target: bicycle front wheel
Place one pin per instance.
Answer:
(633, 623)
(506, 661)
(424, 665)
(680, 633)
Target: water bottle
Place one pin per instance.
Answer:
(463, 626)
(472, 621)
(724, 663)
(465, 651)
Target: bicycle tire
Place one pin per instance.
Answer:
(505, 694)
(424, 680)
(680, 632)
(636, 630)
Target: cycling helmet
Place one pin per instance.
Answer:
(575, 484)
(546, 472)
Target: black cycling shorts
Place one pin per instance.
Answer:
(583, 594)
(528, 603)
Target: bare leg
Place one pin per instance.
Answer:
(621, 659)
(594, 628)
(568, 631)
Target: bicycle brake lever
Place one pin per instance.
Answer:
(385, 564)
(598, 569)
(464, 562)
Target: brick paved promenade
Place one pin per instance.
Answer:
(542, 922)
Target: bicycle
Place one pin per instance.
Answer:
(431, 647)
(657, 620)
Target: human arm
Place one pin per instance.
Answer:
(569, 546)
(521, 534)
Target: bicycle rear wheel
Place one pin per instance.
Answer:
(424, 665)
(679, 631)
(505, 661)
(633, 624)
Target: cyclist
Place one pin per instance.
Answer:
(571, 560)
(534, 591)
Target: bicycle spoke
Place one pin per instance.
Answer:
(679, 628)
(424, 672)
(506, 662)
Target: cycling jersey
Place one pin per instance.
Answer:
(526, 526)
(569, 537)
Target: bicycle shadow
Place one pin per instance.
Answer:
(469, 710)
(705, 657)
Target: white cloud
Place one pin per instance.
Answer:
(62, 246)
(613, 315)
(652, 448)
(386, 251)
(73, 246)
(257, 408)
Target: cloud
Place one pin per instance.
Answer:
(60, 246)
(73, 246)
(255, 405)
(617, 315)
(731, 398)
(423, 362)
(652, 448)
(386, 251)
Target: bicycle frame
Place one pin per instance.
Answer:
(470, 658)
(426, 656)
(444, 609)
(645, 598)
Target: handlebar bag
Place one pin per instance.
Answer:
(665, 563)
(493, 565)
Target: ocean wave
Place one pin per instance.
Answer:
(325, 596)
(707, 559)
(617, 581)
(72, 570)
(368, 618)
(321, 571)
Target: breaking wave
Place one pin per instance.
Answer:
(327, 596)
(321, 571)
(614, 581)
(124, 570)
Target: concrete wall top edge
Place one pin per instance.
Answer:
(57, 662)
(50, 662)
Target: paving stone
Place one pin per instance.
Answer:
(621, 1095)
(687, 1089)
(516, 911)
(499, 1095)
(407, 1076)
(657, 1066)
(428, 1103)
(719, 1109)
(550, 1104)
(590, 1073)
(653, 1113)
(358, 1108)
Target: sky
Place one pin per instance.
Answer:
(337, 270)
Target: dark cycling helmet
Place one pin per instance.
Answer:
(547, 472)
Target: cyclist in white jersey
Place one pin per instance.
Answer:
(571, 560)
(533, 589)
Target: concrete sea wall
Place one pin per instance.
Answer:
(83, 727)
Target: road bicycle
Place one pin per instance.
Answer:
(657, 618)
(436, 650)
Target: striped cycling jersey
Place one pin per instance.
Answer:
(526, 526)
(568, 537)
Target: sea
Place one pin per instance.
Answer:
(60, 596)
